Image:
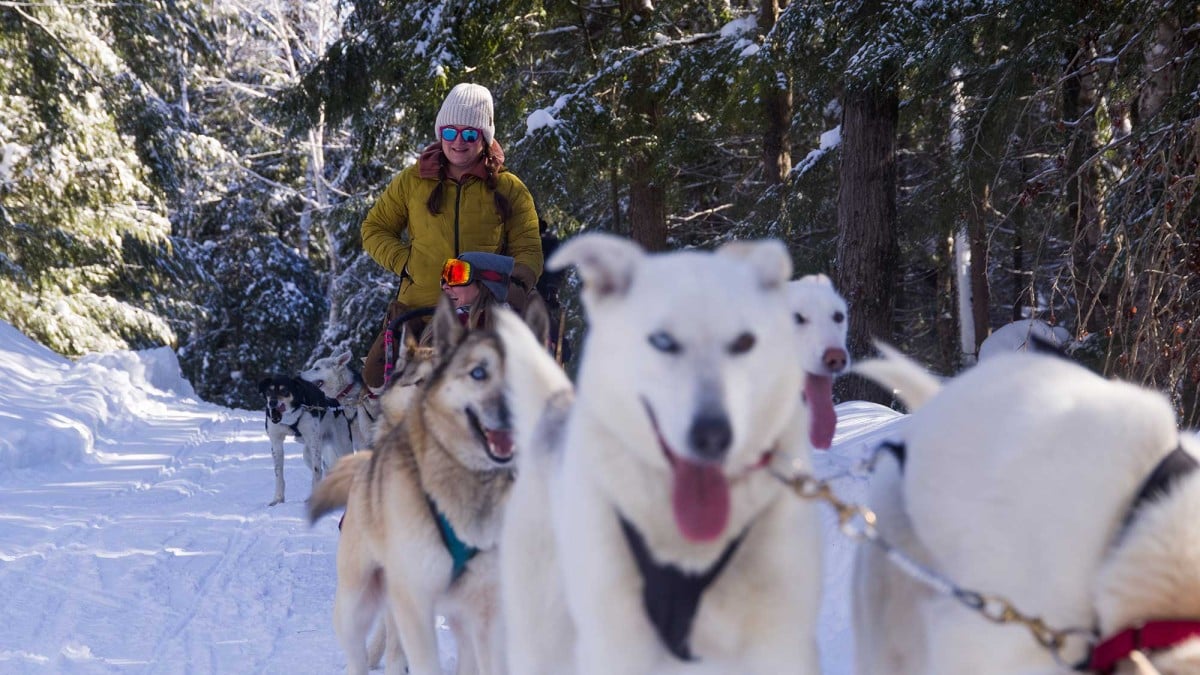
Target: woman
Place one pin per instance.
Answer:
(477, 282)
(457, 198)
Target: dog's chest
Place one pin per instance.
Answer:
(295, 421)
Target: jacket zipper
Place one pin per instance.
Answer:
(457, 200)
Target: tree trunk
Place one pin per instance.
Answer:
(945, 303)
(647, 203)
(963, 280)
(614, 195)
(1159, 67)
(647, 210)
(1085, 221)
(1024, 294)
(866, 213)
(981, 294)
(777, 107)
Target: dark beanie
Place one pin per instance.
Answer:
(490, 262)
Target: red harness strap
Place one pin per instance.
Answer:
(1151, 635)
(350, 387)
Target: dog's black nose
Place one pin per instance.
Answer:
(710, 436)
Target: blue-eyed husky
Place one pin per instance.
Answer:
(424, 507)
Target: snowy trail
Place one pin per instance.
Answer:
(135, 534)
(162, 556)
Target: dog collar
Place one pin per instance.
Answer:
(460, 551)
(670, 595)
(1151, 635)
(1171, 468)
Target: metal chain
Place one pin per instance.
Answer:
(858, 523)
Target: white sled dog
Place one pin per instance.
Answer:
(342, 383)
(423, 510)
(1034, 480)
(295, 407)
(820, 316)
(645, 534)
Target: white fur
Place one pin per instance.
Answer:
(1154, 571)
(911, 383)
(1018, 475)
(338, 381)
(821, 317)
(568, 579)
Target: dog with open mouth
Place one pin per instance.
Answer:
(424, 506)
(645, 533)
(820, 314)
(297, 408)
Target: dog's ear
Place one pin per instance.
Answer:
(306, 391)
(409, 338)
(537, 318)
(768, 257)
(343, 358)
(447, 330)
(263, 384)
(605, 262)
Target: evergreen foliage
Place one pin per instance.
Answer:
(195, 174)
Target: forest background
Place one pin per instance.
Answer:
(194, 173)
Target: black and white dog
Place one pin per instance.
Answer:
(297, 408)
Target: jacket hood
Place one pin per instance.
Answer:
(431, 159)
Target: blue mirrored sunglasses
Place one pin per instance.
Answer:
(469, 134)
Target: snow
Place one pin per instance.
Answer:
(539, 118)
(829, 140)
(741, 26)
(135, 532)
(1015, 337)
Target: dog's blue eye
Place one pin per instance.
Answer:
(663, 342)
(479, 373)
(743, 343)
(800, 320)
(838, 317)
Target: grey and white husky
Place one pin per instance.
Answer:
(339, 381)
(424, 508)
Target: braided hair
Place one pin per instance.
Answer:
(493, 169)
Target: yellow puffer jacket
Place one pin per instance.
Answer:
(401, 234)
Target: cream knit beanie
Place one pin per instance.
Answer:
(467, 105)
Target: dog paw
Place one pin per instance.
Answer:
(277, 500)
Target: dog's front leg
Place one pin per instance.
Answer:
(415, 621)
(616, 643)
(614, 636)
(277, 457)
(467, 643)
(312, 458)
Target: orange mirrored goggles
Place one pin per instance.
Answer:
(456, 272)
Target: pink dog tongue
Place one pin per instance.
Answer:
(818, 392)
(700, 497)
(500, 442)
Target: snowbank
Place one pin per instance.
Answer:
(55, 411)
